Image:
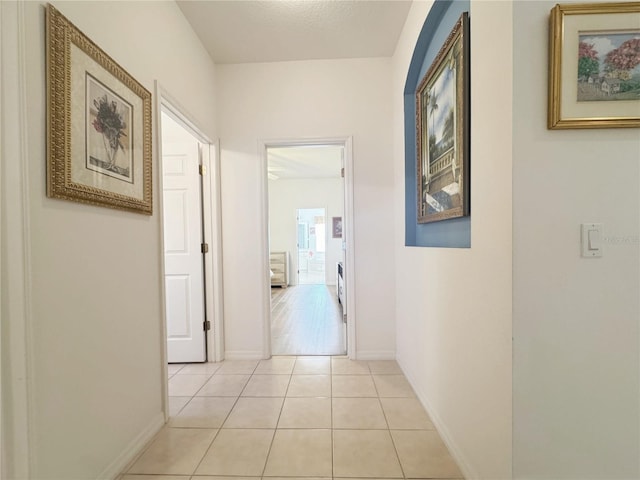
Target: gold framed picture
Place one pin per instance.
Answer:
(98, 124)
(443, 125)
(594, 66)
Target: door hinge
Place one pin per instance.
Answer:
(206, 325)
(204, 248)
(342, 172)
(202, 170)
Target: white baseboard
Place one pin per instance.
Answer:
(132, 450)
(243, 355)
(376, 355)
(441, 428)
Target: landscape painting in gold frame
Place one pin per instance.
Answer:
(443, 125)
(98, 124)
(594, 66)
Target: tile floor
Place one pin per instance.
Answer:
(312, 417)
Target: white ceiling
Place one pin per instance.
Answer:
(317, 161)
(250, 31)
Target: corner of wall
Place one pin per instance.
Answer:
(441, 426)
(133, 450)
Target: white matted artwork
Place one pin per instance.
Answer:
(594, 66)
(99, 124)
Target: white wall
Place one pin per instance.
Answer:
(285, 198)
(453, 306)
(575, 320)
(302, 100)
(96, 302)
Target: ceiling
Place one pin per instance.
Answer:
(249, 31)
(316, 161)
(256, 31)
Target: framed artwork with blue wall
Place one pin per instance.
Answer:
(442, 122)
(437, 211)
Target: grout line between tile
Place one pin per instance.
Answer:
(397, 454)
(192, 476)
(284, 399)
(206, 451)
(137, 457)
(218, 430)
(266, 460)
(201, 387)
(333, 463)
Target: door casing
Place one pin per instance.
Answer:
(347, 232)
(212, 229)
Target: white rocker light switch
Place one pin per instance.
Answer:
(591, 240)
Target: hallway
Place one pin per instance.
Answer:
(319, 417)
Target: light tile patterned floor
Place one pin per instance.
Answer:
(293, 417)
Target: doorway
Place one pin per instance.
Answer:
(191, 235)
(311, 243)
(183, 240)
(305, 191)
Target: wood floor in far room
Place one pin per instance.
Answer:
(306, 320)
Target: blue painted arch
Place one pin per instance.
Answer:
(453, 233)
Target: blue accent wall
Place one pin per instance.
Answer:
(453, 233)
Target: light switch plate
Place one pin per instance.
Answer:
(591, 240)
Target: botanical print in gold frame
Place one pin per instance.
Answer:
(98, 124)
(594, 66)
(443, 119)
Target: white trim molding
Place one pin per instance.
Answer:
(349, 242)
(15, 269)
(376, 354)
(157, 154)
(264, 250)
(131, 453)
(2, 205)
(213, 268)
(347, 231)
(441, 427)
(244, 355)
(212, 223)
(217, 255)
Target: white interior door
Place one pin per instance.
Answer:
(184, 276)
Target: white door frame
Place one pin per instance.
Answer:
(347, 235)
(212, 230)
(16, 407)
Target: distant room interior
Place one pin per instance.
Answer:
(306, 199)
